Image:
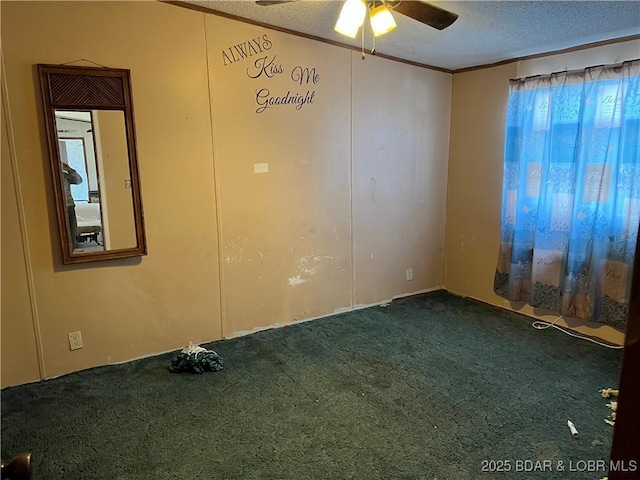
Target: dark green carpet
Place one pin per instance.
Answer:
(426, 388)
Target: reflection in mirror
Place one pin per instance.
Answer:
(90, 133)
(96, 179)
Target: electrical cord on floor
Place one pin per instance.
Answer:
(540, 325)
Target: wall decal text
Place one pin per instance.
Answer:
(265, 100)
(246, 49)
(302, 76)
(265, 66)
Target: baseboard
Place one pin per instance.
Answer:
(259, 329)
(588, 336)
(338, 311)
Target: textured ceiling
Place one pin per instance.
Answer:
(486, 31)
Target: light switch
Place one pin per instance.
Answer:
(260, 168)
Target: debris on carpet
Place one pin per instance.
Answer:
(613, 405)
(195, 359)
(609, 392)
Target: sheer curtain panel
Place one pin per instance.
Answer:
(571, 192)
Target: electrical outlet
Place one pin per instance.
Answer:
(75, 340)
(409, 274)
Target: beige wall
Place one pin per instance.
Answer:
(475, 174)
(606, 54)
(124, 308)
(475, 180)
(399, 177)
(285, 233)
(19, 350)
(230, 250)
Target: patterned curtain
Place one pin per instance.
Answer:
(571, 195)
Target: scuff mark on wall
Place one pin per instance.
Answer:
(235, 252)
(464, 240)
(309, 264)
(307, 267)
(297, 280)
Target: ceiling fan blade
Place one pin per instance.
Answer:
(427, 13)
(266, 3)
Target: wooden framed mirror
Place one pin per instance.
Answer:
(90, 129)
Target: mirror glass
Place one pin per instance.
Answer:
(96, 179)
(90, 133)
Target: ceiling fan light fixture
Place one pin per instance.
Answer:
(351, 18)
(381, 20)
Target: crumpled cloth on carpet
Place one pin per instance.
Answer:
(195, 359)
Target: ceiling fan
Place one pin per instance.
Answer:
(354, 11)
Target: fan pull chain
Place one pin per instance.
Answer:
(362, 38)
